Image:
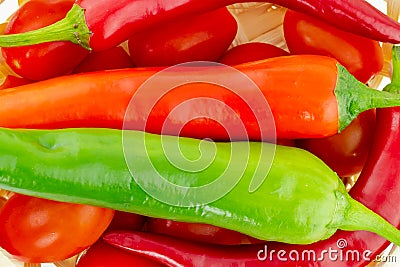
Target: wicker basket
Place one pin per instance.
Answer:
(258, 22)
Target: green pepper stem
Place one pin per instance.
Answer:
(359, 217)
(394, 86)
(72, 28)
(355, 97)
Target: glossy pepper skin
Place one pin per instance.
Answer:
(319, 99)
(300, 200)
(106, 23)
(377, 188)
(196, 232)
(104, 255)
(203, 37)
(355, 16)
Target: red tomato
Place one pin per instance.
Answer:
(103, 255)
(41, 61)
(305, 35)
(251, 52)
(39, 230)
(198, 38)
(113, 58)
(286, 142)
(198, 232)
(13, 81)
(347, 151)
(127, 221)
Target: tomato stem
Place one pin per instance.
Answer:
(72, 28)
(355, 97)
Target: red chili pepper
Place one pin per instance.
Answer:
(104, 255)
(362, 57)
(251, 52)
(111, 22)
(203, 37)
(41, 61)
(320, 99)
(378, 188)
(113, 58)
(198, 232)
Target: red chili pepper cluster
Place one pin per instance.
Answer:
(164, 33)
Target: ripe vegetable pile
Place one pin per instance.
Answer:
(113, 151)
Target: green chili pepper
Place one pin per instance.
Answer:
(300, 201)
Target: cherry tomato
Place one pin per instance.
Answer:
(251, 52)
(203, 37)
(41, 61)
(103, 255)
(198, 232)
(40, 230)
(13, 81)
(305, 35)
(347, 151)
(126, 221)
(286, 142)
(113, 58)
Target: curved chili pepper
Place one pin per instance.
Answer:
(299, 200)
(103, 24)
(197, 232)
(310, 96)
(104, 255)
(377, 187)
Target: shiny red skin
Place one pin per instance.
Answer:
(113, 58)
(362, 57)
(114, 23)
(46, 60)
(126, 221)
(103, 255)
(347, 151)
(13, 81)
(198, 232)
(39, 230)
(378, 188)
(251, 52)
(203, 37)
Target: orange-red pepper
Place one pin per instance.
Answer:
(310, 96)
